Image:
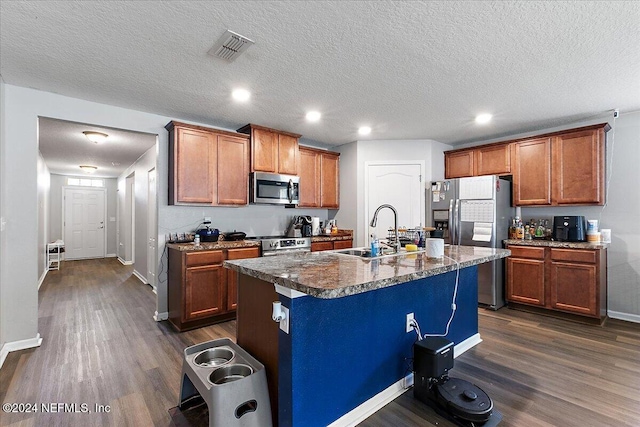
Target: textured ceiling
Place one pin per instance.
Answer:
(410, 70)
(64, 148)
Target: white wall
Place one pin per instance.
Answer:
(621, 213)
(44, 233)
(352, 173)
(3, 299)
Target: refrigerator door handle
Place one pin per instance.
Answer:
(456, 220)
(451, 225)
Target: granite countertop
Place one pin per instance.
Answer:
(340, 235)
(211, 246)
(331, 275)
(553, 244)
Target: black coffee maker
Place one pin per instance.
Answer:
(569, 228)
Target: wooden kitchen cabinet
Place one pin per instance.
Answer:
(207, 166)
(532, 172)
(562, 280)
(319, 178)
(458, 164)
(272, 150)
(200, 290)
(309, 178)
(492, 159)
(232, 276)
(331, 245)
(525, 275)
(578, 168)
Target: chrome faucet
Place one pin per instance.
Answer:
(395, 222)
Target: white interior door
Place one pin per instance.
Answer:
(152, 229)
(84, 215)
(397, 184)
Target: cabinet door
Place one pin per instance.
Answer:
(525, 281)
(493, 160)
(578, 168)
(532, 172)
(309, 178)
(321, 246)
(329, 181)
(573, 288)
(342, 244)
(232, 276)
(458, 164)
(288, 155)
(195, 166)
(233, 170)
(203, 289)
(264, 151)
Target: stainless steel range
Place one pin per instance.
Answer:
(284, 245)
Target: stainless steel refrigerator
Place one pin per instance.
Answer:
(474, 211)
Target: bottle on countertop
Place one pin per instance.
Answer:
(196, 240)
(375, 246)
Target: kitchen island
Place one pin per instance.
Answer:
(346, 352)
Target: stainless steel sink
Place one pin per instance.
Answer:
(366, 252)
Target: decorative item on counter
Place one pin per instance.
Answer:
(435, 247)
(605, 235)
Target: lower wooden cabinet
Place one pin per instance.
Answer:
(200, 290)
(565, 280)
(331, 245)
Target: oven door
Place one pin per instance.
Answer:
(274, 189)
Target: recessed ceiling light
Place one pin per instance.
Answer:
(241, 95)
(95, 136)
(482, 119)
(313, 116)
(88, 169)
(364, 130)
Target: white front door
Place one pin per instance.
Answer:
(84, 225)
(151, 229)
(398, 184)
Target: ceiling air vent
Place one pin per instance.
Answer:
(230, 46)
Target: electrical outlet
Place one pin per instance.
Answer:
(410, 317)
(284, 323)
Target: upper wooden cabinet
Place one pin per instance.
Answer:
(319, 178)
(492, 160)
(554, 169)
(207, 166)
(578, 168)
(458, 164)
(532, 172)
(273, 150)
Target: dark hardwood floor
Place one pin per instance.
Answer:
(101, 345)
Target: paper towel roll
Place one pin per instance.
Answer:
(315, 225)
(434, 247)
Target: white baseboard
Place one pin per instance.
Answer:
(140, 277)
(368, 408)
(18, 345)
(635, 318)
(160, 316)
(44, 274)
(123, 262)
(110, 255)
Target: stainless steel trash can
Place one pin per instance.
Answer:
(231, 382)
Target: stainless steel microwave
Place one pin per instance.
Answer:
(274, 189)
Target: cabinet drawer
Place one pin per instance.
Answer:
(201, 258)
(526, 252)
(321, 246)
(243, 253)
(342, 244)
(575, 255)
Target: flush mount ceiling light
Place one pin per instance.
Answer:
(313, 116)
(364, 130)
(482, 119)
(230, 46)
(241, 95)
(88, 169)
(95, 136)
